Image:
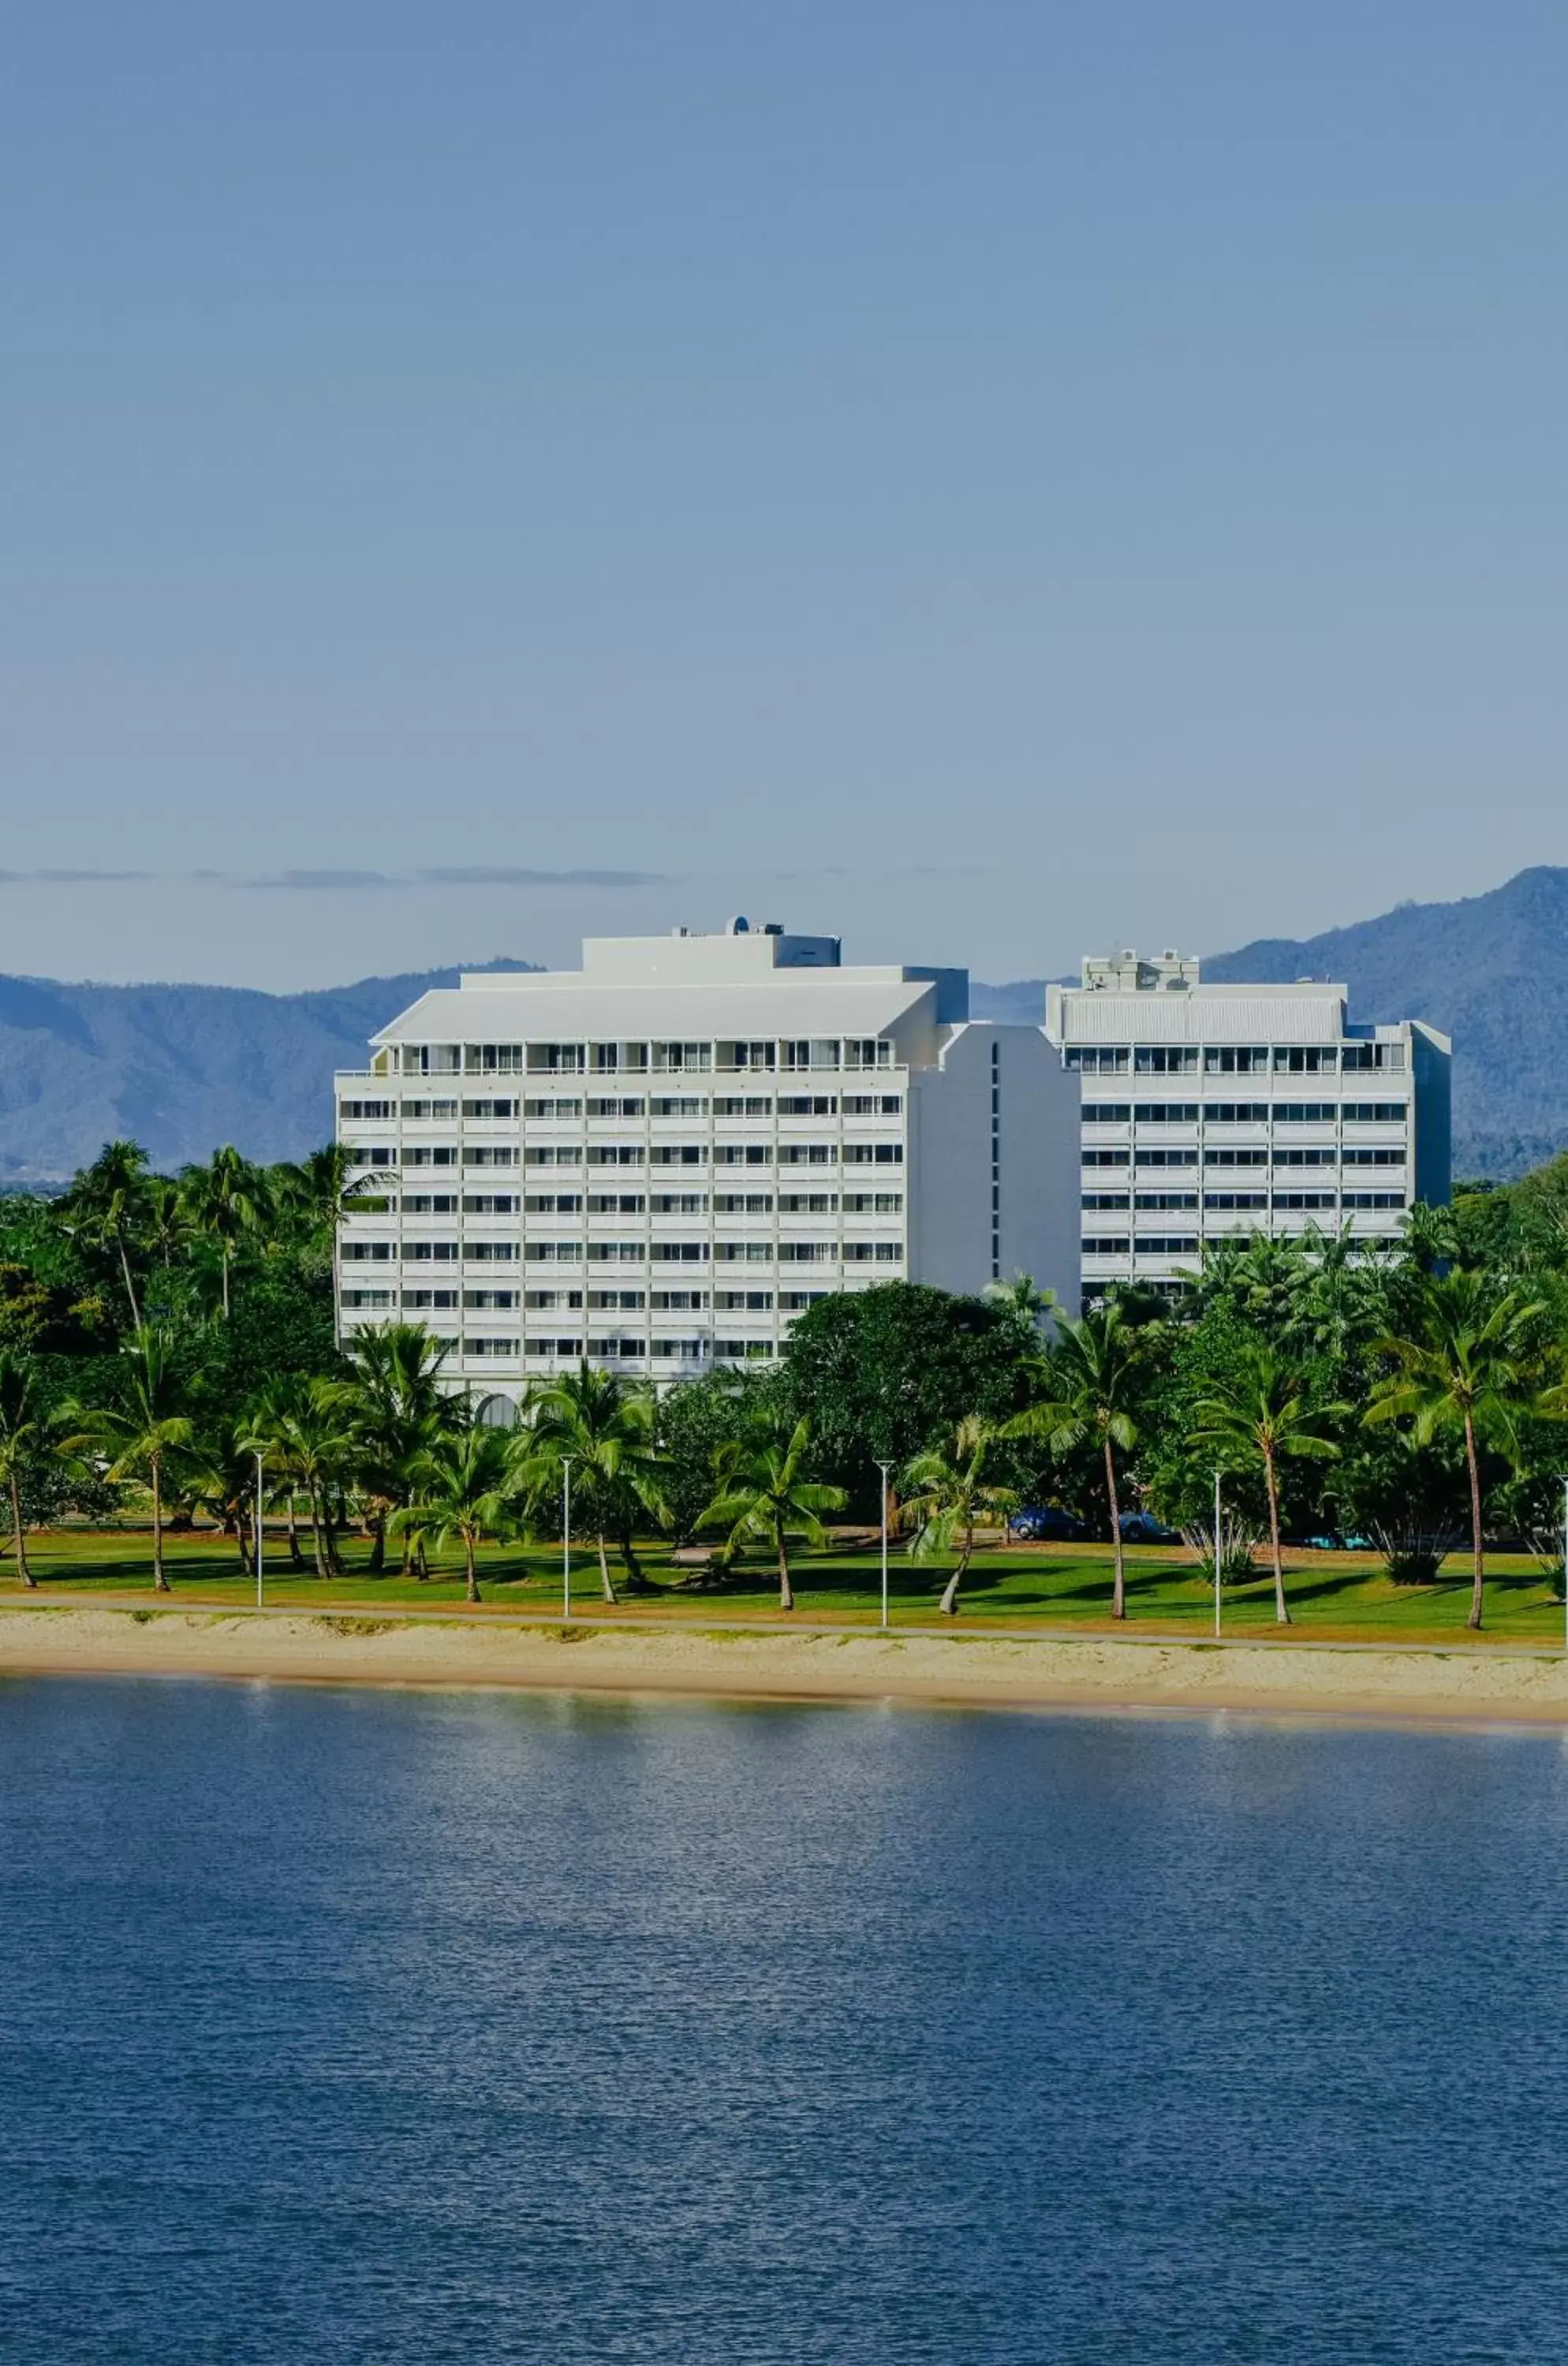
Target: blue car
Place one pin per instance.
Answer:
(1143, 1528)
(1045, 1524)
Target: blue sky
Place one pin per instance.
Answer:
(990, 482)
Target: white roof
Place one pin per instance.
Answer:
(560, 1007)
(1205, 1014)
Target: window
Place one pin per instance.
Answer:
(491, 1348)
(743, 1351)
(618, 1154)
(871, 1203)
(1305, 1112)
(1166, 1157)
(806, 1251)
(361, 1298)
(874, 1104)
(553, 1203)
(423, 1298)
(431, 1059)
(616, 1203)
(725, 1105)
(1167, 1244)
(431, 1203)
(1374, 1112)
(493, 1203)
(685, 1351)
(760, 1056)
(501, 1298)
(748, 1301)
(1098, 1060)
(434, 1108)
(351, 1110)
(865, 1052)
(432, 1153)
(1238, 1112)
(554, 1153)
(429, 1252)
(616, 1252)
(794, 1301)
(1105, 1245)
(367, 1252)
(1359, 1058)
(559, 1348)
(672, 1059)
(743, 1252)
(1105, 1200)
(1372, 1157)
(1363, 1200)
(673, 1302)
(814, 1104)
(810, 1203)
(1235, 1159)
(555, 1059)
(1106, 1112)
(743, 1154)
(383, 1156)
(539, 1297)
(1297, 1199)
(1235, 1059)
(676, 1153)
(493, 1059)
(817, 1052)
(874, 1153)
(678, 1203)
(679, 1252)
(743, 1203)
(490, 1154)
(693, 1105)
(808, 1153)
(1165, 1060)
(1166, 1112)
(491, 1252)
(615, 1105)
(1107, 1157)
(489, 1108)
(552, 1108)
(874, 1252)
(624, 1301)
(1165, 1200)
(1305, 1059)
(1305, 1157)
(1235, 1199)
(553, 1252)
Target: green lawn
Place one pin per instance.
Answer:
(1332, 1595)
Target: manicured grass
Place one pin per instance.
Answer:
(1333, 1595)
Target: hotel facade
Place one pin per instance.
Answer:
(1210, 1110)
(661, 1160)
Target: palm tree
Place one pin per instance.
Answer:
(762, 1492)
(266, 1429)
(167, 1223)
(1257, 1418)
(465, 1485)
(606, 1428)
(227, 1200)
(1024, 1305)
(317, 1190)
(153, 1423)
(946, 1491)
(1465, 1363)
(394, 1407)
(103, 1204)
(1091, 1380)
(314, 1445)
(26, 1434)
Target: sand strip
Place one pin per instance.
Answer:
(1494, 1685)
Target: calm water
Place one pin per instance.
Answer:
(345, 2026)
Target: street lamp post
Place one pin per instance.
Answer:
(884, 1467)
(1565, 1564)
(1216, 1554)
(566, 1538)
(259, 1487)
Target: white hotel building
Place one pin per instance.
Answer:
(1216, 1109)
(660, 1159)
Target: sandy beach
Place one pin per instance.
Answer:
(1493, 1684)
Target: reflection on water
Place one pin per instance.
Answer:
(417, 2027)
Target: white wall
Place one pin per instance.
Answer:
(951, 1164)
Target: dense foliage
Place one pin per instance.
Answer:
(158, 1335)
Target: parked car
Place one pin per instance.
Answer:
(1143, 1528)
(1046, 1524)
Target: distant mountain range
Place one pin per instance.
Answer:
(185, 1067)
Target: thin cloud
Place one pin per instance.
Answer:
(339, 882)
